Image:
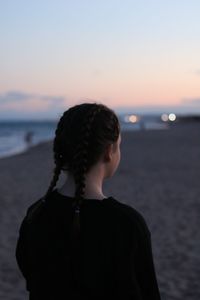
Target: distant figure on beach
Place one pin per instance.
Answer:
(76, 242)
(28, 137)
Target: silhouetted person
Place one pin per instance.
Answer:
(28, 137)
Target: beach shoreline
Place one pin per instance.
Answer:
(17, 137)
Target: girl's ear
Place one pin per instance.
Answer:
(108, 152)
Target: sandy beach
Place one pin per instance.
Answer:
(158, 175)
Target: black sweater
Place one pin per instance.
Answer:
(115, 256)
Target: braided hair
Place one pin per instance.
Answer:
(81, 137)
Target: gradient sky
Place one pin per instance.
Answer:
(141, 54)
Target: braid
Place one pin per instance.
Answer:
(54, 180)
(80, 166)
(81, 155)
(57, 156)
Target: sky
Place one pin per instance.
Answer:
(138, 56)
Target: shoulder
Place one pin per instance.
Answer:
(34, 210)
(135, 218)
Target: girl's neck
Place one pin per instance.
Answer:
(93, 187)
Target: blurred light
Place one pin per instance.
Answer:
(133, 118)
(164, 117)
(172, 117)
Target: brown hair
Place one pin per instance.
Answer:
(82, 135)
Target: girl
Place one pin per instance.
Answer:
(76, 242)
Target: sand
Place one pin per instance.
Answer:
(158, 175)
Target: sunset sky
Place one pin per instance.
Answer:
(139, 55)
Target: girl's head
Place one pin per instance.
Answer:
(86, 134)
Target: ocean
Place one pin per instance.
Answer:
(17, 136)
